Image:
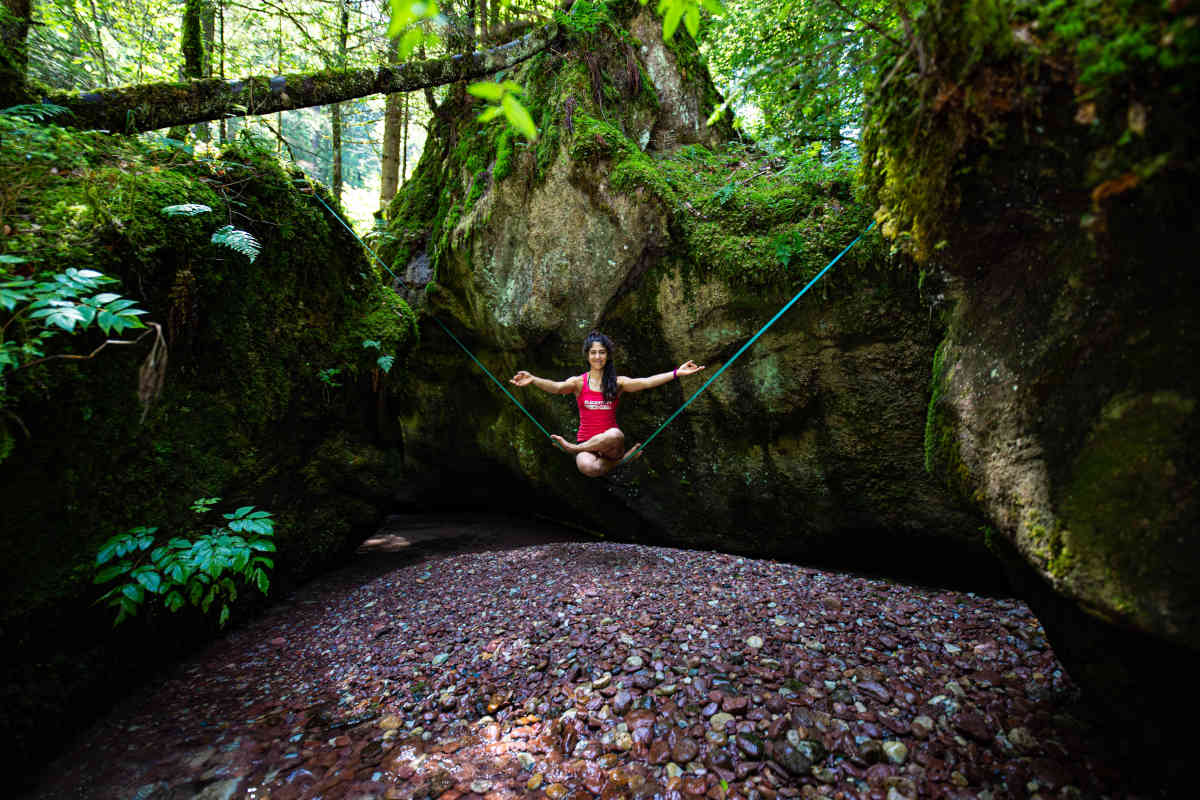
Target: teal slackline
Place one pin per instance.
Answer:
(679, 410)
(753, 339)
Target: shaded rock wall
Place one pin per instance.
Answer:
(611, 221)
(243, 414)
(1057, 203)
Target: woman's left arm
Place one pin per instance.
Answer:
(638, 384)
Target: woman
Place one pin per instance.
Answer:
(600, 444)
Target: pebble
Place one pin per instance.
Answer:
(895, 751)
(719, 721)
(754, 642)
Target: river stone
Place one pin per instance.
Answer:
(720, 720)
(895, 751)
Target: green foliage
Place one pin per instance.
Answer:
(205, 571)
(687, 11)
(237, 240)
(34, 311)
(503, 100)
(35, 112)
(796, 71)
(186, 210)
(408, 23)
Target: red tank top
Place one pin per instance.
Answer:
(596, 415)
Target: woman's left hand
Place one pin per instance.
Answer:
(687, 368)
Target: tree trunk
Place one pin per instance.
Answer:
(151, 106)
(389, 160)
(335, 111)
(404, 146)
(335, 136)
(192, 47)
(14, 51)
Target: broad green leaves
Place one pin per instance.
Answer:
(65, 302)
(502, 98)
(200, 572)
(409, 24)
(687, 11)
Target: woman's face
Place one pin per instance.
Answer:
(597, 355)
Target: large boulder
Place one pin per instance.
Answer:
(631, 216)
(1054, 194)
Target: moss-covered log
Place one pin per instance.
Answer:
(145, 107)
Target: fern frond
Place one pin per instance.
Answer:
(186, 210)
(34, 112)
(238, 240)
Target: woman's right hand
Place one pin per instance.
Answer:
(522, 378)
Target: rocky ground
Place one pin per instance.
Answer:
(519, 666)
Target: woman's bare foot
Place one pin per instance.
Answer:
(564, 445)
(633, 453)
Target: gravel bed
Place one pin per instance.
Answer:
(585, 669)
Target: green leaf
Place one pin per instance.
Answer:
(408, 42)
(241, 512)
(263, 545)
(186, 210)
(173, 601)
(237, 240)
(385, 363)
(713, 7)
(149, 579)
(261, 581)
(490, 113)
(518, 117)
(488, 90)
(371, 343)
(671, 20)
(5, 258)
(691, 20)
(133, 592)
(108, 573)
(224, 616)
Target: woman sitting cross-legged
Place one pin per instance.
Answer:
(600, 444)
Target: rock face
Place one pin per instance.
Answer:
(1065, 391)
(609, 223)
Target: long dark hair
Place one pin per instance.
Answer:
(609, 382)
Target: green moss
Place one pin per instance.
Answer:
(237, 412)
(1119, 514)
(943, 457)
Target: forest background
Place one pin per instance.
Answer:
(792, 72)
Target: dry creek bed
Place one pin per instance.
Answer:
(579, 669)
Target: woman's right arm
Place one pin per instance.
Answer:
(569, 386)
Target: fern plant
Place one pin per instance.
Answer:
(204, 572)
(235, 239)
(35, 112)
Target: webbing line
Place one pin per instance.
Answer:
(753, 339)
(435, 319)
(679, 410)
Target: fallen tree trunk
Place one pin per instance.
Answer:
(150, 106)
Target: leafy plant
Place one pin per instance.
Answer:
(234, 238)
(237, 240)
(329, 375)
(409, 18)
(687, 11)
(186, 210)
(383, 362)
(62, 302)
(503, 99)
(204, 572)
(35, 112)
